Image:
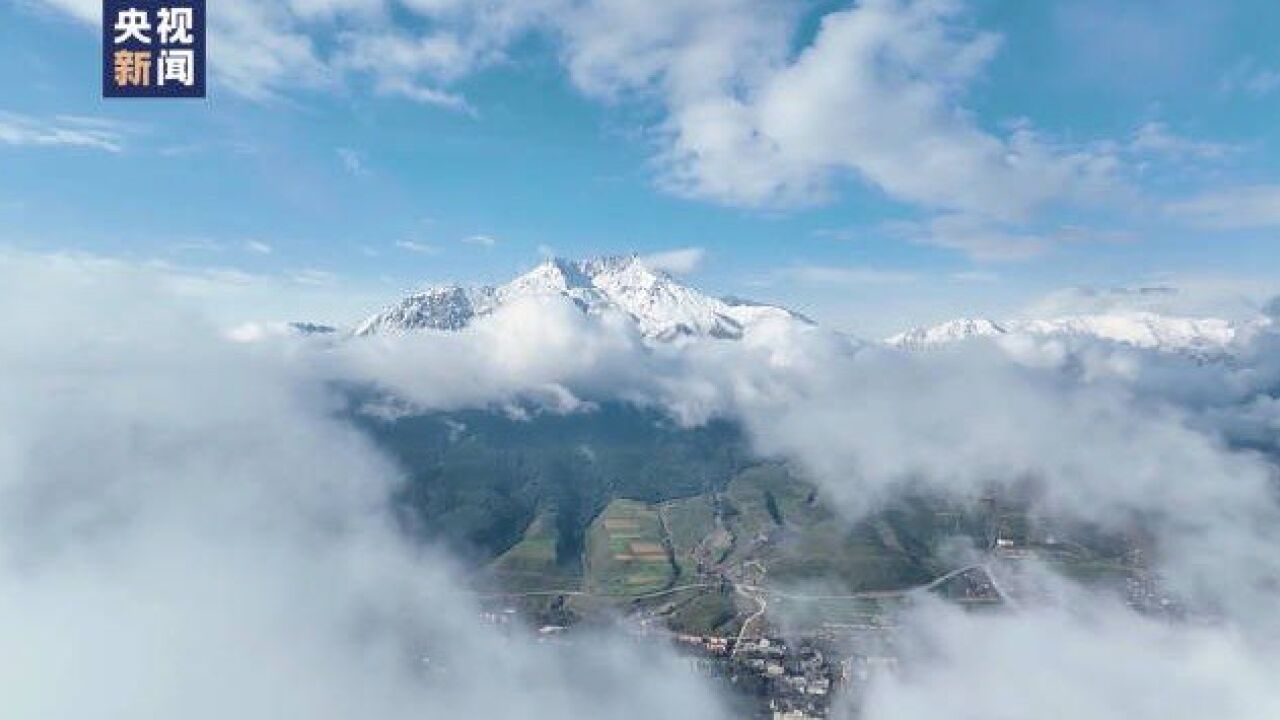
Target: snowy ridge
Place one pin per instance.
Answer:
(661, 307)
(1139, 329)
(951, 331)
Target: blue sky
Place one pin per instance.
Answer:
(874, 164)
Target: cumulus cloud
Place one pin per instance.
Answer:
(1107, 663)
(876, 94)
(188, 531)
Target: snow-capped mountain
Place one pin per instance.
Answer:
(1140, 329)
(661, 307)
(951, 331)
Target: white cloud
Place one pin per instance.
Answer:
(1249, 77)
(415, 246)
(1156, 138)
(398, 63)
(1235, 298)
(977, 237)
(171, 502)
(1239, 208)
(260, 51)
(258, 247)
(485, 241)
(975, 276)
(876, 95)
(1106, 663)
(988, 241)
(423, 94)
(677, 262)
(312, 276)
(62, 131)
(828, 275)
(846, 234)
(331, 9)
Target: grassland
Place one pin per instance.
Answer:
(531, 565)
(688, 521)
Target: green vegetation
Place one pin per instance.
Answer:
(533, 564)
(689, 521)
(627, 551)
(476, 479)
(621, 503)
(707, 612)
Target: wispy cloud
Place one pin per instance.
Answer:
(311, 276)
(848, 275)
(195, 245)
(424, 94)
(486, 241)
(1155, 138)
(975, 276)
(979, 238)
(843, 234)
(258, 247)
(1241, 208)
(985, 240)
(418, 247)
(679, 262)
(1250, 78)
(62, 131)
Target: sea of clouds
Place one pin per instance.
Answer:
(188, 528)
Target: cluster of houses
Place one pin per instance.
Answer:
(785, 680)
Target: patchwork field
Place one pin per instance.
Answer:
(627, 552)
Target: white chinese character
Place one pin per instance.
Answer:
(177, 65)
(175, 25)
(132, 23)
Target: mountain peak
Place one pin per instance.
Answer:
(1137, 328)
(661, 307)
(945, 333)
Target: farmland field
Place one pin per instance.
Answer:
(627, 551)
